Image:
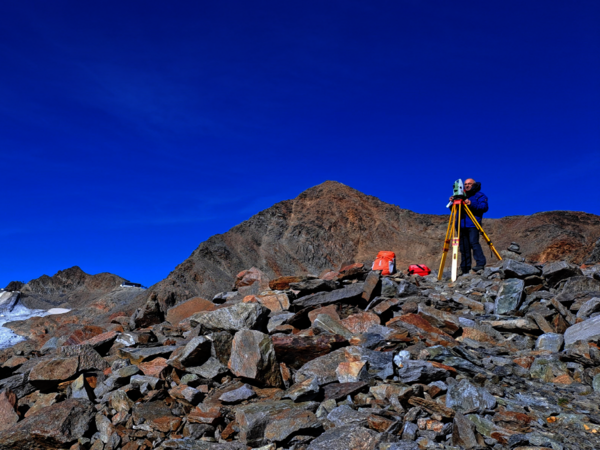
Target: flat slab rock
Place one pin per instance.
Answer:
(326, 298)
(346, 437)
(52, 427)
(193, 444)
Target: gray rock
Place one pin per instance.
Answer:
(516, 269)
(307, 287)
(325, 298)
(289, 422)
(253, 418)
(138, 355)
(211, 369)
(462, 432)
(324, 323)
(596, 382)
(277, 320)
(191, 443)
(465, 398)
(195, 353)
(243, 316)
(253, 357)
(50, 345)
(403, 445)
(323, 368)
(419, 371)
(237, 395)
(558, 271)
(126, 372)
(409, 431)
(550, 341)
(582, 331)
(388, 288)
(580, 284)
(153, 382)
(406, 289)
(119, 401)
(510, 296)
(346, 437)
(345, 415)
(105, 427)
(307, 388)
(150, 314)
(588, 308)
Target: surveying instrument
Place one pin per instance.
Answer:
(453, 231)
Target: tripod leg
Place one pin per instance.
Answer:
(480, 228)
(455, 241)
(446, 242)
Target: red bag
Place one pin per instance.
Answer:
(386, 262)
(419, 269)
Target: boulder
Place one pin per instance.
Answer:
(242, 316)
(150, 314)
(580, 284)
(54, 370)
(295, 351)
(348, 293)
(516, 269)
(195, 353)
(187, 309)
(551, 342)
(56, 426)
(325, 324)
(588, 308)
(253, 357)
(8, 415)
(558, 271)
(465, 398)
(322, 368)
(509, 297)
(252, 419)
(346, 437)
(583, 331)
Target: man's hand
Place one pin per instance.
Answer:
(467, 202)
(452, 198)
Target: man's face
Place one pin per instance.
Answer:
(469, 184)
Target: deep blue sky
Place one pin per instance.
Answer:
(132, 131)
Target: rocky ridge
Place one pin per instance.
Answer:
(505, 358)
(331, 224)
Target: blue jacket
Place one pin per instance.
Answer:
(478, 206)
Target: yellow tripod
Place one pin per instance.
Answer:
(453, 235)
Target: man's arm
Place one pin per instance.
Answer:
(479, 204)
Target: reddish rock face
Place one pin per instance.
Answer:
(8, 416)
(155, 368)
(188, 308)
(361, 322)
(51, 427)
(282, 283)
(57, 369)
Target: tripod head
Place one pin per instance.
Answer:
(459, 191)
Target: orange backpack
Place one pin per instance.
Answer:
(386, 262)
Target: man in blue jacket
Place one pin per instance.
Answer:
(477, 202)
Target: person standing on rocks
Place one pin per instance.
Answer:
(477, 202)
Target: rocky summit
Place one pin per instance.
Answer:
(331, 224)
(507, 358)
